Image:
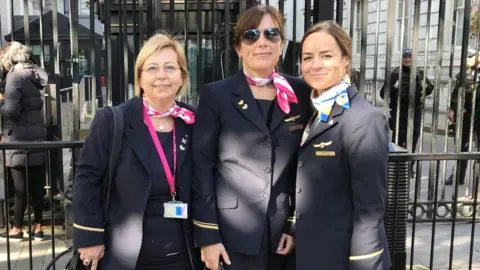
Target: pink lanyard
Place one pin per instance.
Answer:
(168, 173)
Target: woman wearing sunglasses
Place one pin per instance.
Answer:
(342, 164)
(245, 145)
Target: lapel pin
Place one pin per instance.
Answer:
(245, 106)
(293, 118)
(322, 144)
(240, 102)
(182, 147)
(184, 141)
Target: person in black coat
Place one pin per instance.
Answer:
(405, 97)
(342, 164)
(21, 109)
(467, 107)
(153, 173)
(245, 144)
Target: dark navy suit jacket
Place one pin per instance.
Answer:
(244, 170)
(138, 166)
(341, 188)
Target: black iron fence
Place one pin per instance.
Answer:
(437, 234)
(56, 211)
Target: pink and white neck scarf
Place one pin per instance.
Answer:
(175, 111)
(285, 93)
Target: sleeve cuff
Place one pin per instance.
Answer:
(85, 236)
(366, 256)
(289, 227)
(206, 234)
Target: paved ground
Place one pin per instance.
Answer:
(41, 253)
(441, 250)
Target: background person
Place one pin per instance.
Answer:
(405, 100)
(23, 121)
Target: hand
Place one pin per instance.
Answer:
(451, 115)
(286, 244)
(396, 84)
(2, 97)
(92, 255)
(211, 255)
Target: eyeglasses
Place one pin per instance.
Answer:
(272, 34)
(168, 69)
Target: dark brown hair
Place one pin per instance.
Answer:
(252, 18)
(332, 28)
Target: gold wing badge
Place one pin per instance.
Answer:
(322, 144)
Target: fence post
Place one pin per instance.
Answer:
(396, 209)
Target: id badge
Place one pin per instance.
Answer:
(175, 210)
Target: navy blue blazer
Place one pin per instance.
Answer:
(244, 170)
(341, 188)
(137, 167)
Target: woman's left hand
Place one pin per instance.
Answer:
(286, 244)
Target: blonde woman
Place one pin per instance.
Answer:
(153, 172)
(21, 111)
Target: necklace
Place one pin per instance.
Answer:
(161, 127)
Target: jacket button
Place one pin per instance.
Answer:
(181, 186)
(268, 169)
(299, 189)
(300, 164)
(268, 144)
(265, 195)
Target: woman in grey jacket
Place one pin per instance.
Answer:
(21, 111)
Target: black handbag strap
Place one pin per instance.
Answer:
(115, 149)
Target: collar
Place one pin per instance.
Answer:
(337, 94)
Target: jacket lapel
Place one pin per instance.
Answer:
(182, 137)
(277, 116)
(136, 131)
(244, 101)
(317, 127)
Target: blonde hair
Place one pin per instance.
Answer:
(153, 45)
(14, 53)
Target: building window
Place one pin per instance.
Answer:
(358, 28)
(398, 27)
(84, 7)
(37, 52)
(460, 4)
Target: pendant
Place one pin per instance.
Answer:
(161, 127)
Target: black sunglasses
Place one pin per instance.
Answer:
(251, 36)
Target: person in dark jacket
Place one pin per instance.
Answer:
(245, 146)
(405, 99)
(342, 164)
(152, 176)
(467, 106)
(21, 110)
